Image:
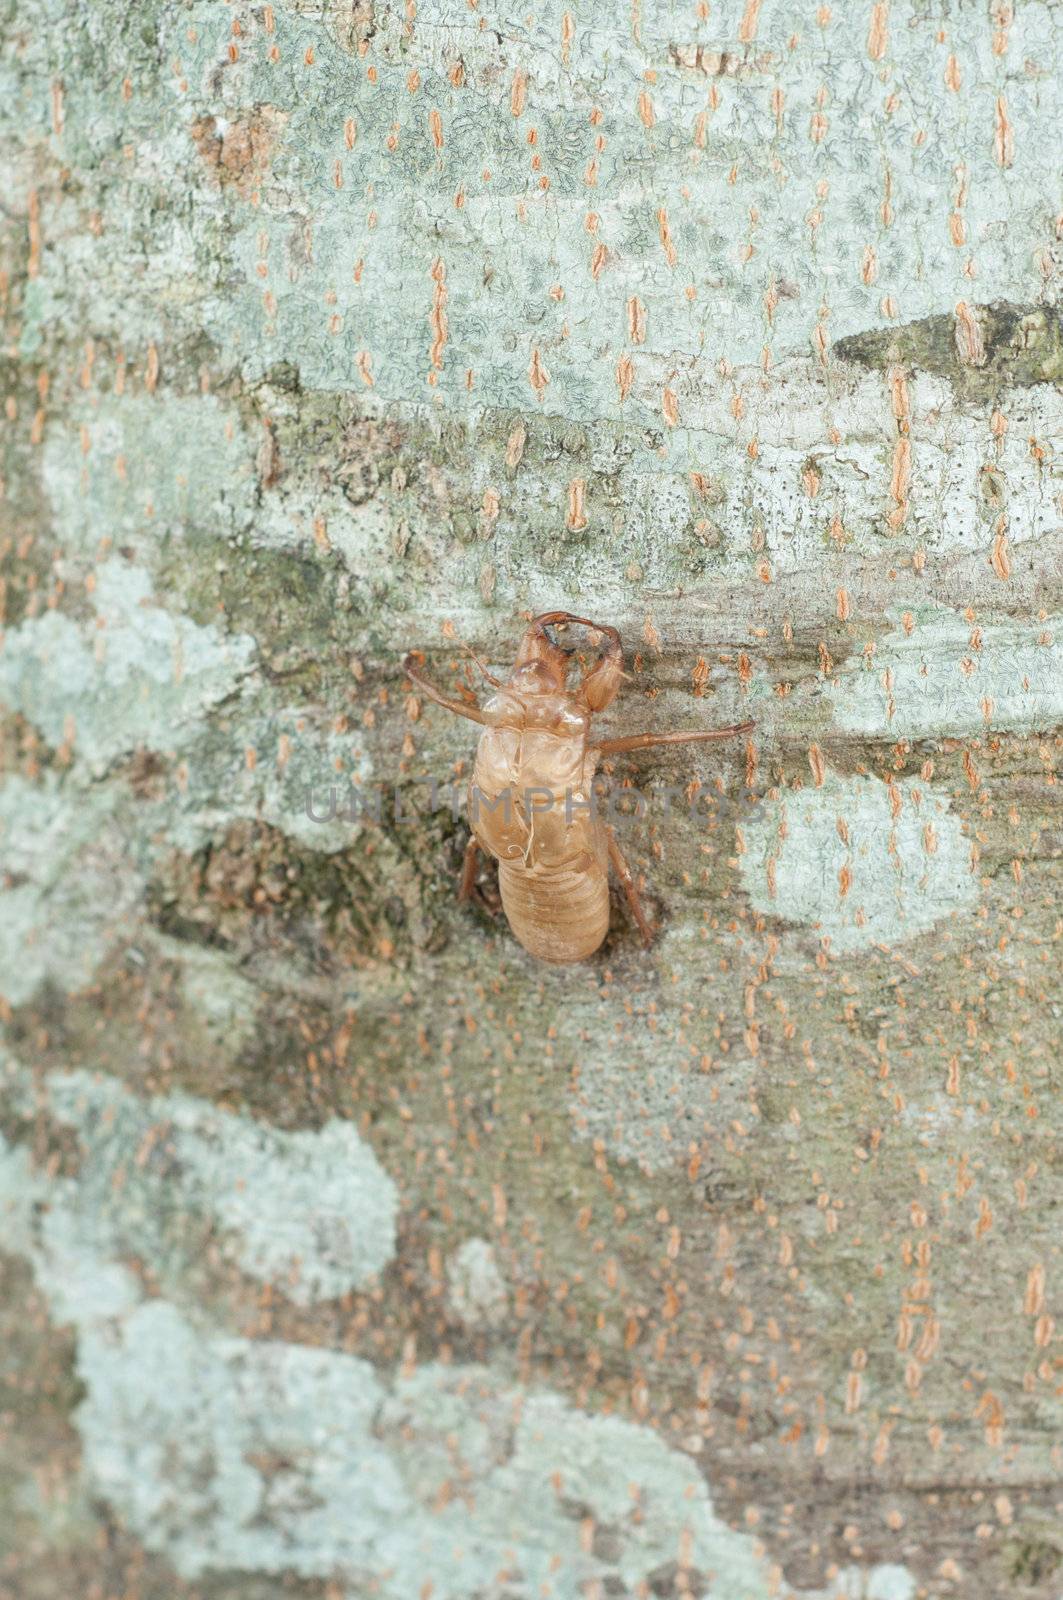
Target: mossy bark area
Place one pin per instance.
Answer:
(347, 1250)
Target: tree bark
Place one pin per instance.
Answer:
(347, 1249)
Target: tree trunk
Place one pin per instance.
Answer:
(348, 1250)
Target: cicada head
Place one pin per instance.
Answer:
(542, 665)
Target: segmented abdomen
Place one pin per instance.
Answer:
(561, 915)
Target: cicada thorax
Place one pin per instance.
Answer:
(530, 786)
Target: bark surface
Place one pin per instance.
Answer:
(346, 1250)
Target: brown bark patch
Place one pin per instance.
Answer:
(239, 154)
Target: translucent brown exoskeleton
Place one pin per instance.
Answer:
(530, 796)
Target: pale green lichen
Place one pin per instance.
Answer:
(69, 886)
(314, 1465)
(948, 678)
(859, 862)
(313, 1213)
(476, 1290)
(142, 677)
(139, 469)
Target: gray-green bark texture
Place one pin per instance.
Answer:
(346, 1251)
